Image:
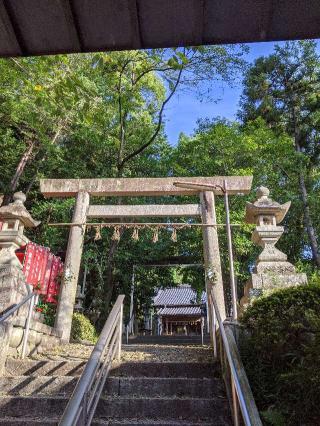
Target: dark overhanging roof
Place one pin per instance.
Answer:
(37, 27)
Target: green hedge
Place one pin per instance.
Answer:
(82, 329)
(281, 354)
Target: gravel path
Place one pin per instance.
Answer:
(135, 353)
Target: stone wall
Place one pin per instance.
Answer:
(41, 337)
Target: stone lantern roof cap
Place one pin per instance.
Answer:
(265, 206)
(17, 210)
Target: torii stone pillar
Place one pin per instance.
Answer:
(72, 266)
(211, 253)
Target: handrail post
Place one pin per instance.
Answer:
(214, 334)
(84, 413)
(202, 326)
(231, 265)
(120, 332)
(241, 397)
(27, 327)
(92, 380)
(235, 405)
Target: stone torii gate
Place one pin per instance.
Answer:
(83, 189)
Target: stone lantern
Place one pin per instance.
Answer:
(272, 270)
(14, 218)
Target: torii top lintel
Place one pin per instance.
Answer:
(141, 186)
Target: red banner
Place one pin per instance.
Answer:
(28, 264)
(47, 274)
(42, 270)
(53, 286)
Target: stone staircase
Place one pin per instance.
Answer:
(153, 385)
(175, 340)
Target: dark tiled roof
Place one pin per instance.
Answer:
(180, 295)
(186, 311)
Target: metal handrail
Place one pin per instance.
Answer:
(85, 397)
(15, 307)
(241, 392)
(33, 300)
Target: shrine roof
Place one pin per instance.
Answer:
(183, 311)
(181, 295)
(32, 27)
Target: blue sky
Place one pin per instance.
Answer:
(184, 109)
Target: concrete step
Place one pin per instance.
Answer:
(168, 340)
(28, 421)
(166, 369)
(151, 422)
(42, 385)
(33, 406)
(164, 387)
(163, 408)
(17, 367)
(120, 407)
(33, 421)
(120, 386)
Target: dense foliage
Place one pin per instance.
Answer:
(283, 89)
(281, 354)
(103, 115)
(82, 330)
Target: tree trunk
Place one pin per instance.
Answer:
(121, 163)
(18, 173)
(308, 221)
(313, 238)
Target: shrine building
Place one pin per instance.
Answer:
(178, 310)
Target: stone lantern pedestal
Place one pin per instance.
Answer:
(14, 218)
(272, 269)
(13, 287)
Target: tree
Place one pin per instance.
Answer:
(41, 99)
(97, 115)
(219, 147)
(283, 89)
(141, 86)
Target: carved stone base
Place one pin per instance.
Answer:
(12, 287)
(274, 268)
(5, 334)
(262, 283)
(8, 257)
